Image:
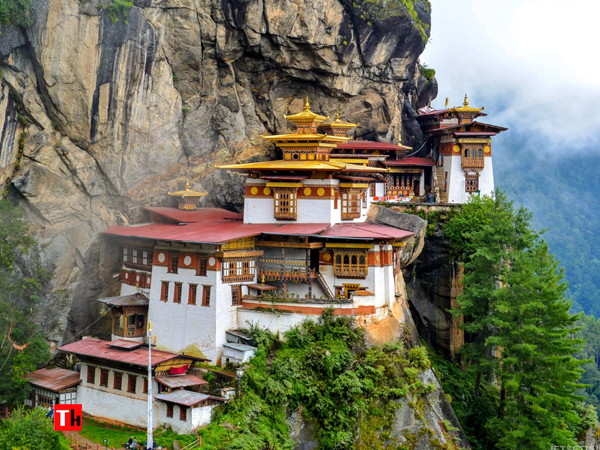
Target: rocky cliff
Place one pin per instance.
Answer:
(98, 119)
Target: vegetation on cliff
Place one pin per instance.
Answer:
(30, 430)
(521, 373)
(22, 348)
(324, 373)
(14, 12)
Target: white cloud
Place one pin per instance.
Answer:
(533, 62)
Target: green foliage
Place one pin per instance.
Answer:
(519, 329)
(323, 370)
(30, 430)
(20, 287)
(427, 72)
(15, 12)
(116, 9)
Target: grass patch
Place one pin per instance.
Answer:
(117, 436)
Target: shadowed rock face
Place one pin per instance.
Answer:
(113, 115)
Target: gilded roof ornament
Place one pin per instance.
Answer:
(187, 192)
(306, 117)
(466, 108)
(447, 102)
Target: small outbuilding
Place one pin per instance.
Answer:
(52, 386)
(237, 353)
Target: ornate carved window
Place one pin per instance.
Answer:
(138, 258)
(192, 294)
(235, 270)
(173, 262)
(206, 295)
(351, 203)
(164, 292)
(202, 265)
(236, 295)
(178, 292)
(350, 264)
(286, 204)
(471, 182)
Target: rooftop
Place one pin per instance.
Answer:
(198, 215)
(96, 348)
(186, 398)
(371, 145)
(365, 231)
(181, 381)
(325, 166)
(54, 380)
(126, 300)
(240, 347)
(411, 162)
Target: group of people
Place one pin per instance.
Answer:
(132, 444)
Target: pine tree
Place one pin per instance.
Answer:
(533, 335)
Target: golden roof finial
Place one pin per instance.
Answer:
(466, 103)
(337, 115)
(187, 184)
(400, 137)
(447, 102)
(307, 105)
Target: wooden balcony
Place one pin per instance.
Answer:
(131, 331)
(472, 163)
(346, 272)
(283, 269)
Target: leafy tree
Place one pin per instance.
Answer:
(30, 430)
(589, 331)
(15, 12)
(22, 348)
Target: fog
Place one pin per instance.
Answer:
(532, 63)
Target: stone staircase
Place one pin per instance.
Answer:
(439, 179)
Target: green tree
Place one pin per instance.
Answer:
(30, 430)
(533, 336)
(20, 287)
(15, 12)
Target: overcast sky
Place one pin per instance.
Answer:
(534, 64)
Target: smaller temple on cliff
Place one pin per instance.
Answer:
(310, 238)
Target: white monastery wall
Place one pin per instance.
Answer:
(456, 179)
(226, 315)
(486, 177)
(195, 417)
(277, 323)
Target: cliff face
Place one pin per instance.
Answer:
(98, 119)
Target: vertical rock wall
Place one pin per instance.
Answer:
(99, 119)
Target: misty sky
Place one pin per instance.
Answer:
(533, 64)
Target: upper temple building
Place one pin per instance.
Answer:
(310, 238)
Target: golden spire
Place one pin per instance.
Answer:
(307, 105)
(466, 103)
(187, 198)
(447, 102)
(337, 115)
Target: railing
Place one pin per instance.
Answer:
(351, 272)
(131, 332)
(472, 163)
(283, 269)
(325, 286)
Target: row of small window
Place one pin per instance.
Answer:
(286, 203)
(192, 293)
(473, 153)
(117, 380)
(173, 264)
(182, 411)
(137, 257)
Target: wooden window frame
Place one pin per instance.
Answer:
(238, 269)
(192, 294)
(351, 203)
(236, 295)
(178, 292)
(131, 383)
(164, 291)
(285, 203)
(183, 413)
(351, 264)
(91, 374)
(471, 182)
(118, 381)
(206, 291)
(104, 377)
(173, 266)
(145, 385)
(140, 258)
(202, 265)
(170, 408)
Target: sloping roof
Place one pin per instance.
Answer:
(97, 348)
(365, 231)
(474, 133)
(54, 380)
(411, 162)
(180, 381)
(214, 232)
(136, 299)
(186, 398)
(331, 166)
(125, 344)
(240, 347)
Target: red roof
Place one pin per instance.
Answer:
(179, 381)
(197, 215)
(475, 133)
(411, 162)
(214, 232)
(365, 231)
(54, 380)
(97, 348)
(433, 112)
(186, 398)
(370, 145)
